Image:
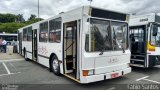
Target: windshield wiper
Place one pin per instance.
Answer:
(123, 49)
(102, 51)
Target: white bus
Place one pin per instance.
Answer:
(9, 38)
(87, 44)
(145, 40)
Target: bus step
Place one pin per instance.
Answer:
(69, 61)
(140, 60)
(138, 57)
(137, 65)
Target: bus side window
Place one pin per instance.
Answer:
(55, 30)
(25, 34)
(43, 34)
(29, 34)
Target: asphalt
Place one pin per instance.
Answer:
(9, 55)
(28, 75)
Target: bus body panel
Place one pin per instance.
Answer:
(153, 57)
(28, 47)
(104, 76)
(105, 60)
(141, 19)
(44, 61)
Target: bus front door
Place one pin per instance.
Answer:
(70, 48)
(138, 45)
(34, 45)
(20, 43)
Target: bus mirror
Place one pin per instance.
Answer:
(155, 30)
(86, 30)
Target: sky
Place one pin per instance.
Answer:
(49, 8)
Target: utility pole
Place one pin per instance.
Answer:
(38, 8)
(90, 2)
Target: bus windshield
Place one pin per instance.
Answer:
(106, 36)
(155, 39)
(9, 37)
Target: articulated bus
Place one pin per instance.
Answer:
(145, 40)
(87, 44)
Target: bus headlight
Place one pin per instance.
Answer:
(151, 48)
(88, 72)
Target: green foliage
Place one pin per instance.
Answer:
(10, 23)
(33, 21)
(5, 18)
(32, 17)
(11, 27)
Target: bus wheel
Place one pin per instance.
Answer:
(25, 55)
(55, 67)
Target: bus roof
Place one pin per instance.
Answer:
(7, 34)
(80, 8)
(108, 10)
(138, 20)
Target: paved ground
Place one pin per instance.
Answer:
(9, 55)
(29, 75)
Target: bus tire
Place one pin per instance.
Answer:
(55, 67)
(25, 56)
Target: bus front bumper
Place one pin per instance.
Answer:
(101, 77)
(153, 60)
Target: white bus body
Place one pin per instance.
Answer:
(145, 45)
(68, 44)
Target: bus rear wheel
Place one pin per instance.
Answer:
(55, 67)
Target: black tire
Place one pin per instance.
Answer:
(55, 66)
(25, 56)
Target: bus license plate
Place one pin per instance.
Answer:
(115, 75)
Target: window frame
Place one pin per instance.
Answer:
(151, 29)
(43, 28)
(110, 33)
(89, 35)
(25, 35)
(55, 30)
(29, 29)
(127, 32)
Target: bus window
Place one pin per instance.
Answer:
(29, 34)
(155, 40)
(119, 35)
(100, 39)
(55, 30)
(25, 34)
(43, 34)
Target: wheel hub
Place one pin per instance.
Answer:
(55, 65)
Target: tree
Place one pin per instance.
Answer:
(32, 17)
(10, 23)
(20, 18)
(4, 18)
(33, 21)
(11, 27)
